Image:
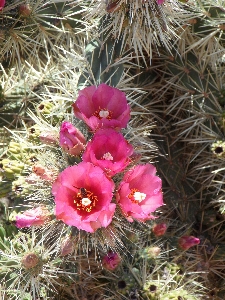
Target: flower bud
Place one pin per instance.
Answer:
(67, 246)
(111, 261)
(34, 132)
(71, 139)
(32, 178)
(159, 229)
(160, 2)
(33, 217)
(20, 187)
(185, 242)
(30, 260)
(2, 3)
(25, 10)
(48, 138)
(45, 107)
(113, 6)
(151, 252)
(43, 172)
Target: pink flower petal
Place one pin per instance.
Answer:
(33, 217)
(2, 4)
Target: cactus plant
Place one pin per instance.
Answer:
(168, 57)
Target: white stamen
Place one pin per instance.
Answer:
(103, 113)
(85, 201)
(139, 196)
(107, 156)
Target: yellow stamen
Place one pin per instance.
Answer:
(136, 196)
(103, 113)
(107, 156)
(85, 200)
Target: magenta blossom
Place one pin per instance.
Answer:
(185, 242)
(33, 217)
(2, 4)
(83, 197)
(111, 261)
(102, 107)
(71, 139)
(139, 194)
(109, 150)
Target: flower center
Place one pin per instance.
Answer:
(107, 156)
(103, 113)
(136, 197)
(85, 200)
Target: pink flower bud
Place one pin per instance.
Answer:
(43, 172)
(32, 178)
(30, 260)
(185, 242)
(111, 261)
(25, 10)
(160, 2)
(33, 217)
(159, 229)
(67, 246)
(2, 4)
(71, 139)
(48, 138)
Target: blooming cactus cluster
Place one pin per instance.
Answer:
(85, 194)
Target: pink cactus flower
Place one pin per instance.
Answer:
(111, 261)
(109, 150)
(71, 139)
(185, 242)
(139, 194)
(102, 107)
(2, 4)
(159, 229)
(33, 217)
(83, 197)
